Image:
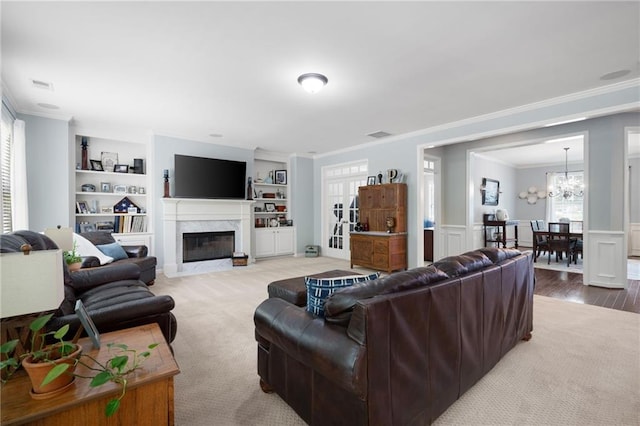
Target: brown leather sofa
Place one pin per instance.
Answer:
(114, 296)
(138, 255)
(401, 349)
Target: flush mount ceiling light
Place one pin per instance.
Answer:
(312, 82)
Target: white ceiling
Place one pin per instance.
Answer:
(550, 152)
(191, 69)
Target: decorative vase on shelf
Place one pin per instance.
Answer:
(85, 155)
(166, 184)
(391, 223)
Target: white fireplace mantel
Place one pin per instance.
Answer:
(177, 210)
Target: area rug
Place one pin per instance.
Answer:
(582, 366)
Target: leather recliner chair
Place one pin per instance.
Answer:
(114, 297)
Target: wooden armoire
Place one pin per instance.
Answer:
(377, 248)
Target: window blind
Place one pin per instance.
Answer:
(6, 133)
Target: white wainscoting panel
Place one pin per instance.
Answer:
(605, 264)
(634, 239)
(453, 240)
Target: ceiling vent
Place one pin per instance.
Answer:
(379, 134)
(42, 84)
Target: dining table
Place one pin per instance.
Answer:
(573, 235)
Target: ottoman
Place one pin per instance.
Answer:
(294, 291)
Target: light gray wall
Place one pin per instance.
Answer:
(506, 175)
(634, 189)
(535, 176)
(301, 182)
(49, 170)
(164, 149)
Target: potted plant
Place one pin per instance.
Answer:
(72, 258)
(45, 364)
(62, 358)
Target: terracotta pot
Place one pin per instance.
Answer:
(37, 371)
(74, 266)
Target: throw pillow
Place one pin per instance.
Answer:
(318, 289)
(84, 247)
(114, 250)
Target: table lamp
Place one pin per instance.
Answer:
(63, 237)
(30, 284)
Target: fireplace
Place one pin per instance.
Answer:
(189, 215)
(200, 246)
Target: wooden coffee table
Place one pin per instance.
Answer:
(148, 401)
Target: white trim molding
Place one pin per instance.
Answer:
(452, 240)
(606, 248)
(634, 239)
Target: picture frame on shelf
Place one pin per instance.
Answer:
(119, 189)
(87, 227)
(121, 168)
(105, 186)
(106, 210)
(82, 207)
(280, 177)
(96, 165)
(270, 207)
(132, 189)
(141, 190)
(87, 324)
(109, 160)
(371, 180)
(132, 210)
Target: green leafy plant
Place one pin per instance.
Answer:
(116, 369)
(122, 363)
(39, 352)
(72, 256)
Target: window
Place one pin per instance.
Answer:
(6, 130)
(570, 207)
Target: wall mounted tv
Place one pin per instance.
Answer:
(199, 177)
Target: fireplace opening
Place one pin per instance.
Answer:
(199, 246)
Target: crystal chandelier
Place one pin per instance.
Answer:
(566, 186)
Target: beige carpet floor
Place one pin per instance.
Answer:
(582, 366)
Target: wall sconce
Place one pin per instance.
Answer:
(532, 195)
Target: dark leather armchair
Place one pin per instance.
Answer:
(114, 296)
(138, 255)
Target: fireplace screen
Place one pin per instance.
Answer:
(199, 246)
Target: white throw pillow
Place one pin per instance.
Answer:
(85, 247)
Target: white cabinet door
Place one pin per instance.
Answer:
(274, 241)
(284, 241)
(265, 242)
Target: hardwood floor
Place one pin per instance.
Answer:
(568, 286)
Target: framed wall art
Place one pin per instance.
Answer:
(490, 192)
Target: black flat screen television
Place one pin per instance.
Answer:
(199, 177)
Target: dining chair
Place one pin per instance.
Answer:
(541, 240)
(560, 241)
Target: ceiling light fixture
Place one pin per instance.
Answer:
(312, 82)
(567, 186)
